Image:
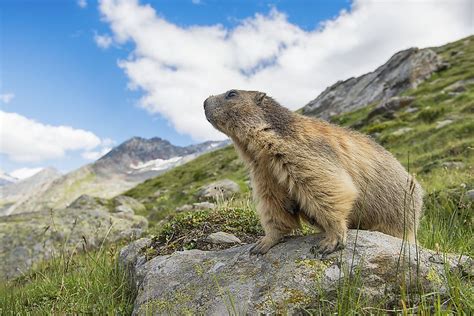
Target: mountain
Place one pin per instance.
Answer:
(20, 191)
(125, 166)
(6, 179)
(405, 70)
(139, 159)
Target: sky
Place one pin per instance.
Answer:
(78, 77)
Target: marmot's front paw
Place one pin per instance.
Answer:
(263, 245)
(327, 245)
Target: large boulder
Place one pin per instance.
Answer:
(388, 107)
(119, 204)
(405, 70)
(286, 279)
(26, 239)
(219, 189)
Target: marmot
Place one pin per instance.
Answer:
(307, 169)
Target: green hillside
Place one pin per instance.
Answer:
(161, 195)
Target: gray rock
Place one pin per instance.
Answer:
(402, 131)
(128, 205)
(286, 279)
(441, 124)
(184, 208)
(87, 202)
(453, 164)
(204, 206)
(29, 238)
(411, 109)
(470, 195)
(196, 207)
(223, 238)
(459, 86)
(405, 70)
(391, 105)
(219, 189)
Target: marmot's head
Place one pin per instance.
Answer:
(238, 112)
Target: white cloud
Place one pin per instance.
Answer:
(106, 145)
(94, 155)
(103, 41)
(177, 68)
(6, 97)
(23, 173)
(196, 1)
(82, 4)
(25, 140)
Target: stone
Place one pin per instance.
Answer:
(223, 238)
(286, 280)
(441, 124)
(204, 206)
(402, 131)
(411, 110)
(453, 164)
(459, 86)
(196, 207)
(27, 239)
(219, 189)
(87, 202)
(127, 204)
(387, 108)
(470, 195)
(184, 208)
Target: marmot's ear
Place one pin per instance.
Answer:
(259, 97)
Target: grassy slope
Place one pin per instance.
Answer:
(447, 224)
(161, 195)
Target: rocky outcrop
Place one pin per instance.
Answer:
(388, 107)
(27, 239)
(219, 189)
(286, 279)
(405, 70)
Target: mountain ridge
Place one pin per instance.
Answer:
(125, 166)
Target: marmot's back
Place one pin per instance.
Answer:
(387, 192)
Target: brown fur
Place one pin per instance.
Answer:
(305, 168)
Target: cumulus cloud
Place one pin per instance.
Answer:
(6, 97)
(103, 41)
(178, 67)
(94, 155)
(82, 4)
(25, 140)
(23, 173)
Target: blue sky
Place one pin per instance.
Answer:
(59, 76)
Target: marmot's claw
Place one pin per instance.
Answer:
(326, 246)
(262, 246)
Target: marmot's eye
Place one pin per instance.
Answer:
(230, 94)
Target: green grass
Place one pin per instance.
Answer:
(89, 283)
(163, 194)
